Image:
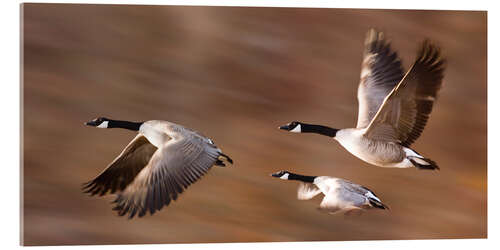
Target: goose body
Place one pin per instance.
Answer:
(378, 153)
(339, 195)
(155, 167)
(393, 107)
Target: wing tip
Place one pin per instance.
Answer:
(90, 188)
(227, 158)
(373, 35)
(374, 39)
(430, 52)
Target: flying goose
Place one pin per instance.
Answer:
(340, 195)
(393, 107)
(155, 167)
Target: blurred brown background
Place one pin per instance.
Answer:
(236, 74)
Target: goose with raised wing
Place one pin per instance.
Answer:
(393, 107)
(339, 195)
(161, 162)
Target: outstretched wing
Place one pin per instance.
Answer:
(405, 111)
(171, 170)
(381, 70)
(307, 191)
(123, 169)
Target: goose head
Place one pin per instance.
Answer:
(283, 174)
(300, 127)
(100, 122)
(294, 127)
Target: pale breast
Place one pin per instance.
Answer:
(326, 184)
(378, 153)
(155, 132)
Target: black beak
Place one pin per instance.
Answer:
(285, 127)
(91, 123)
(276, 175)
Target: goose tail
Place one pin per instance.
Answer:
(419, 161)
(423, 163)
(377, 204)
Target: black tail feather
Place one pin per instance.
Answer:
(377, 204)
(432, 165)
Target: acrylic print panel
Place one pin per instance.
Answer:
(235, 74)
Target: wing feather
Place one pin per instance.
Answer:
(122, 171)
(406, 109)
(172, 169)
(381, 70)
(307, 191)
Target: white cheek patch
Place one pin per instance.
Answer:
(297, 129)
(104, 124)
(285, 176)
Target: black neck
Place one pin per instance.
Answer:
(299, 177)
(318, 129)
(124, 124)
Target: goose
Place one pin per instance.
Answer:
(393, 107)
(339, 195)
(155, 167)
